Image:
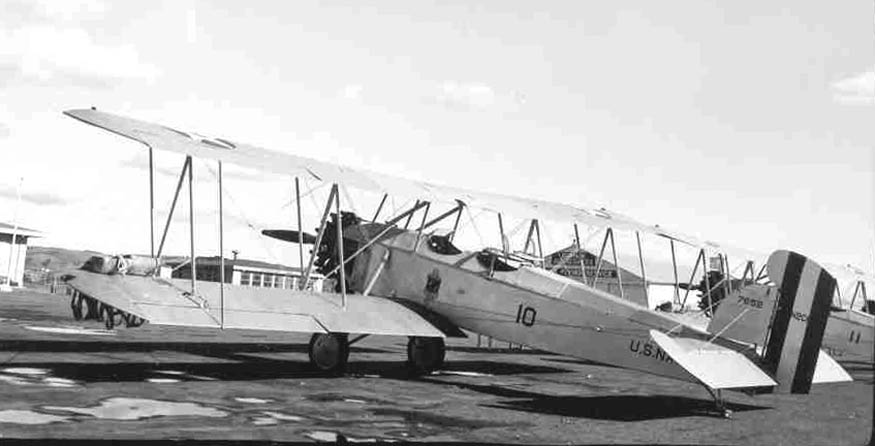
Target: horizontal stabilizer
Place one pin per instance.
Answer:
(715, 366)
(829, 371)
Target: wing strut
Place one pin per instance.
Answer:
(151, 205)
(379, 208)
(221, 254)
(191, 225)
(643, 273)
(339, 226)
(300, 225)
(319, 236)
(185, 168)
(389, 226)
(674, 266)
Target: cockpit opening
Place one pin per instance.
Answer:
(441, 244)
(494, 261)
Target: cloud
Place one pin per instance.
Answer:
(42, 52)
(4, 130)
(476, 96)
(44, 43)
(38, 198)
(352, 91)
(69, 9)
(857, 89)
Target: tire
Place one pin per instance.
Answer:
(425, 355)
(329, 352)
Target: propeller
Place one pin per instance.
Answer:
(289, 235)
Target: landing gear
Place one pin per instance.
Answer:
(77, 304)
(719, 403)
(425, 355)
(112, 317)
(329, 352)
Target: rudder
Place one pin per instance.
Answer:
(804, 296)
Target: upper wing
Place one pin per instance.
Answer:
(166, 302)
(167, 138)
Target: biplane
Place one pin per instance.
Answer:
(414, 282)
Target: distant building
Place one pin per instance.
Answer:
(245, 272)
(567, 263)
(13, 264)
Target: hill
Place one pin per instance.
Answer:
(55, 259)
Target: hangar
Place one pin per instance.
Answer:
(13, 253)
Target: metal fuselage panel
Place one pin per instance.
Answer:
(849, 336)
(528, 306)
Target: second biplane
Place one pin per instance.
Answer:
(411, 282)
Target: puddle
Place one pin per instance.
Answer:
(137, 408)
(322, 436)
(274, 418)
(59, 382)
(28, 417)
(333, 437)
(264, 421)
(460, 373)
(162, 380)
(25, 371)
(70, 330)
(252, 400)
(182, 375)
(17, 380)
(283, 417)
(333, 398)
(25, 376)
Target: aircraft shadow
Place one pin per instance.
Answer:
(497, 350)
(605, 407)
(255, 368)
(197, 348)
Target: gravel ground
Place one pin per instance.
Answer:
(64, 379)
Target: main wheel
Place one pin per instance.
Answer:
(425, 355)
(329, 352)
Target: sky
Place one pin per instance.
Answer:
(745, 122)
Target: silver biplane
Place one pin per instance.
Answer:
(392, 280)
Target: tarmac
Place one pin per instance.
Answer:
(68, 380)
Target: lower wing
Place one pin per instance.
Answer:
(169, 302)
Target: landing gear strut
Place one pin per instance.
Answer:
(720, 403)
(425, 355)
(329, 352)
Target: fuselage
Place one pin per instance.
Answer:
(525, 305)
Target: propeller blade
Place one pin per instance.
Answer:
(289, 235)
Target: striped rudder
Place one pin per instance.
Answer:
(805, 293)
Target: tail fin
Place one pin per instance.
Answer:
(745, 314)
(788, 319)
(805, 294)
